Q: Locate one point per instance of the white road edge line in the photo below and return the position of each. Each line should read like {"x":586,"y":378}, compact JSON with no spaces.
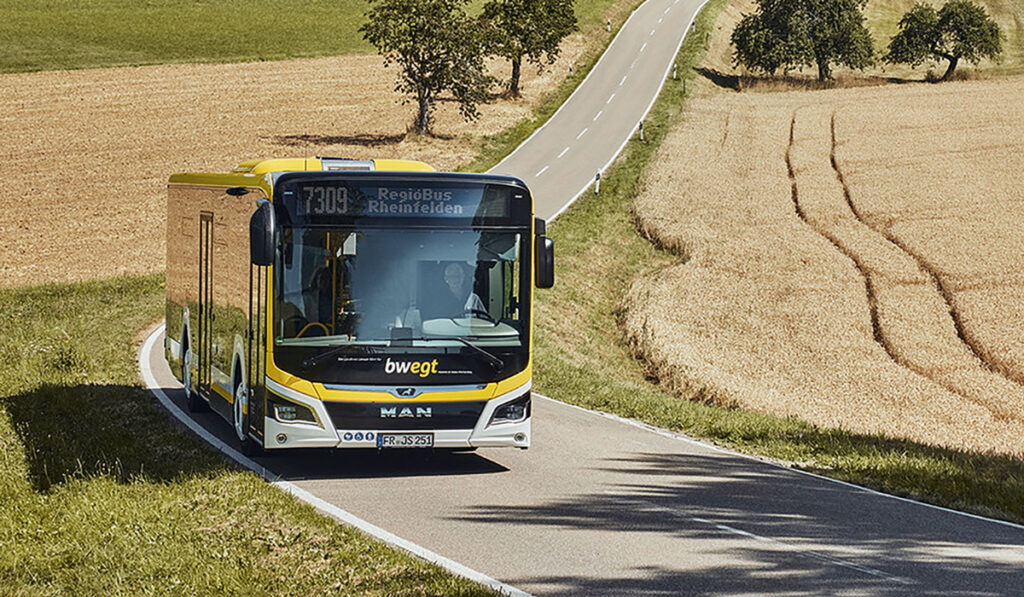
{"x":540,"y":172}
{"x":583,"y":132}
{"x":564,"y":151}
{"x":668,"y":70}
{"x":324,"y":507}
{"x":704,"y":444}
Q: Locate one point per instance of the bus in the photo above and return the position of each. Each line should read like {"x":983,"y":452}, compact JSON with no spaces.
{"x":335,"y":303}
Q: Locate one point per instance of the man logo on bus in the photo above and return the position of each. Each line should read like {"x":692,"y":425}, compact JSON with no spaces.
{"x":421,"y":368}
{"x":393,"y":412}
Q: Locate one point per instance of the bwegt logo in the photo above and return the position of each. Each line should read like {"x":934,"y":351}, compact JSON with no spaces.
{"x":421,"y":368}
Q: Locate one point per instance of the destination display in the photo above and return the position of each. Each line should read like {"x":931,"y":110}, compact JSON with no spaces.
{"x":315,"y":201}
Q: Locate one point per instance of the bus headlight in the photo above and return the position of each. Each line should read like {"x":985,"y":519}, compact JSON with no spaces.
{"x":512,"y":412}
{"x":287,"y":411}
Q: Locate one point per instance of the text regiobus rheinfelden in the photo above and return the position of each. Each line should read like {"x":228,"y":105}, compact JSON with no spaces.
{"x":331,"y":303}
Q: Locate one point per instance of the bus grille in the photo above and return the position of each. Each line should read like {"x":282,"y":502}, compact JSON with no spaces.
{"x":408,"y":415}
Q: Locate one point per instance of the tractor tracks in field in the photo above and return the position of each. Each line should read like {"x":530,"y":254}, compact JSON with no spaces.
{"x":876,"y":326}
{"x":888,"y":266}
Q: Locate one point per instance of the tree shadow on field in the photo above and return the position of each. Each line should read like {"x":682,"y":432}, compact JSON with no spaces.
{"x":112,"y":431}
{"x":719,"y":78}
{"x":364,"y":140}
{"x":791,"y":82}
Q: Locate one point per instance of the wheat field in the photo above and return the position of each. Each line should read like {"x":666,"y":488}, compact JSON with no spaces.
{"x":855,"y":258}
{"x":85,"y":155}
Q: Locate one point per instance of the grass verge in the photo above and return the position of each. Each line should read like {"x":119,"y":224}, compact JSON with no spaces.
{"x":100,"y":493}
{"x":582,"y":358}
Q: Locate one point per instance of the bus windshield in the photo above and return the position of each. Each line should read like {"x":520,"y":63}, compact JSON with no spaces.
{"x":395,"y":289}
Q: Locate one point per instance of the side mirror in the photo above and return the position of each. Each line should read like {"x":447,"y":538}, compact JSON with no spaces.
{"x":545,"y":262}
{"x":262,"y":228}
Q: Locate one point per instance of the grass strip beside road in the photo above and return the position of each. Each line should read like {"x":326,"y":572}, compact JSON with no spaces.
{"x":582,"y":359}
{"x":102,"y":493}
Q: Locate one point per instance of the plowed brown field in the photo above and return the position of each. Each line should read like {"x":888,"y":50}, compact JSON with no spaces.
{"x":856,"y":258}
{"x":85,"y":155}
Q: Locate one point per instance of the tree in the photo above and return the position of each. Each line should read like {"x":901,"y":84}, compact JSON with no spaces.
{"x":790,"y":33}
{"x":530,"y":29}
{"x":960,"y":30}
{"x":438,"y":49}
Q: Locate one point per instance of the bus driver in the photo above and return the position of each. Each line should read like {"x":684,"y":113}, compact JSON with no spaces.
{"x":459,"y":298}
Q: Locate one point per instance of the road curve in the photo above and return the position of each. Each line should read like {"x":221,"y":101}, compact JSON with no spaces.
{"x":602,"y":506}
{"x":560,"y":160}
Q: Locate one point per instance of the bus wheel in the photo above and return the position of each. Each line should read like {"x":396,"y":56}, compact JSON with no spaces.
{"x":193,"y":401}
{"x":241,"y":421}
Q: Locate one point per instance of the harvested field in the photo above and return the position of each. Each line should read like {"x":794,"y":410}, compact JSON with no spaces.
{"x":854,"y":259}
{"x":85,"y":155}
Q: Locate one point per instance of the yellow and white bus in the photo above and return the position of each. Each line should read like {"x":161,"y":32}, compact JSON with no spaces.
{"x":334,"y":303}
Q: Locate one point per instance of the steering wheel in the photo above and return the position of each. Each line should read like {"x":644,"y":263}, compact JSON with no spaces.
{"x":313,"y":324}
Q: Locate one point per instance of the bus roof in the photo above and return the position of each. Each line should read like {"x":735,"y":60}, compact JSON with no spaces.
{"x":328,"y":164}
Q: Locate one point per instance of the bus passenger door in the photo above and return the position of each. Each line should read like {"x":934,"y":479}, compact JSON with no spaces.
{"x":257,"y":347}
{"x":205,"y":300}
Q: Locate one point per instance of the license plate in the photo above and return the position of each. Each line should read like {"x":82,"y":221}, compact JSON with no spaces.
{"x":405,"y":440}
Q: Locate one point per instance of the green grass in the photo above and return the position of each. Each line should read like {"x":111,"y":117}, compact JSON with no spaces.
{"x":101,"y":493}
{"x":582,"y":358}
{"x":75,"y":34}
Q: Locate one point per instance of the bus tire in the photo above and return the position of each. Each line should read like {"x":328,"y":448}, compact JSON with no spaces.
{"x":193,"y":400}
{"x":240,"y":420}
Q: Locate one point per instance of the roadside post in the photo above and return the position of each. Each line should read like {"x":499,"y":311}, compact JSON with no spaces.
{"x":597,"y":182}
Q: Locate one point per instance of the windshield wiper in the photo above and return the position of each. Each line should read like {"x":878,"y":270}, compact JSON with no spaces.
{"x":492,"y":360}
{"x":316,"y":359}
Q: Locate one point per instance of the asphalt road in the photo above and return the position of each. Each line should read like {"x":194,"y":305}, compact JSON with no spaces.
{"x":561,"y":159}
{"x":599,"y":506}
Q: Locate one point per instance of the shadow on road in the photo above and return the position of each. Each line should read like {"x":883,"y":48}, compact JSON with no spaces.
{"x":326,"y":464}
{"x":371,"y":464}
{"x":763,"y":526}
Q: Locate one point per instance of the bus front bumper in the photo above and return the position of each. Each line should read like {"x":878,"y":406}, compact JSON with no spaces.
{"x":484,"y":434}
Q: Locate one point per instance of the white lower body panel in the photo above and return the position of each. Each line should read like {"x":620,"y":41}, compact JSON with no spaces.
{"x":280,"y":434}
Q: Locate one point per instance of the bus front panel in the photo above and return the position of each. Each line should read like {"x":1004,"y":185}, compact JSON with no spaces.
{"x":404,"y":302}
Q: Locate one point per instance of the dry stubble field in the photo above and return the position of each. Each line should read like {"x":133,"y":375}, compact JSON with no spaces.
{"x":85,"y":155}
{"x":856,"y":259}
